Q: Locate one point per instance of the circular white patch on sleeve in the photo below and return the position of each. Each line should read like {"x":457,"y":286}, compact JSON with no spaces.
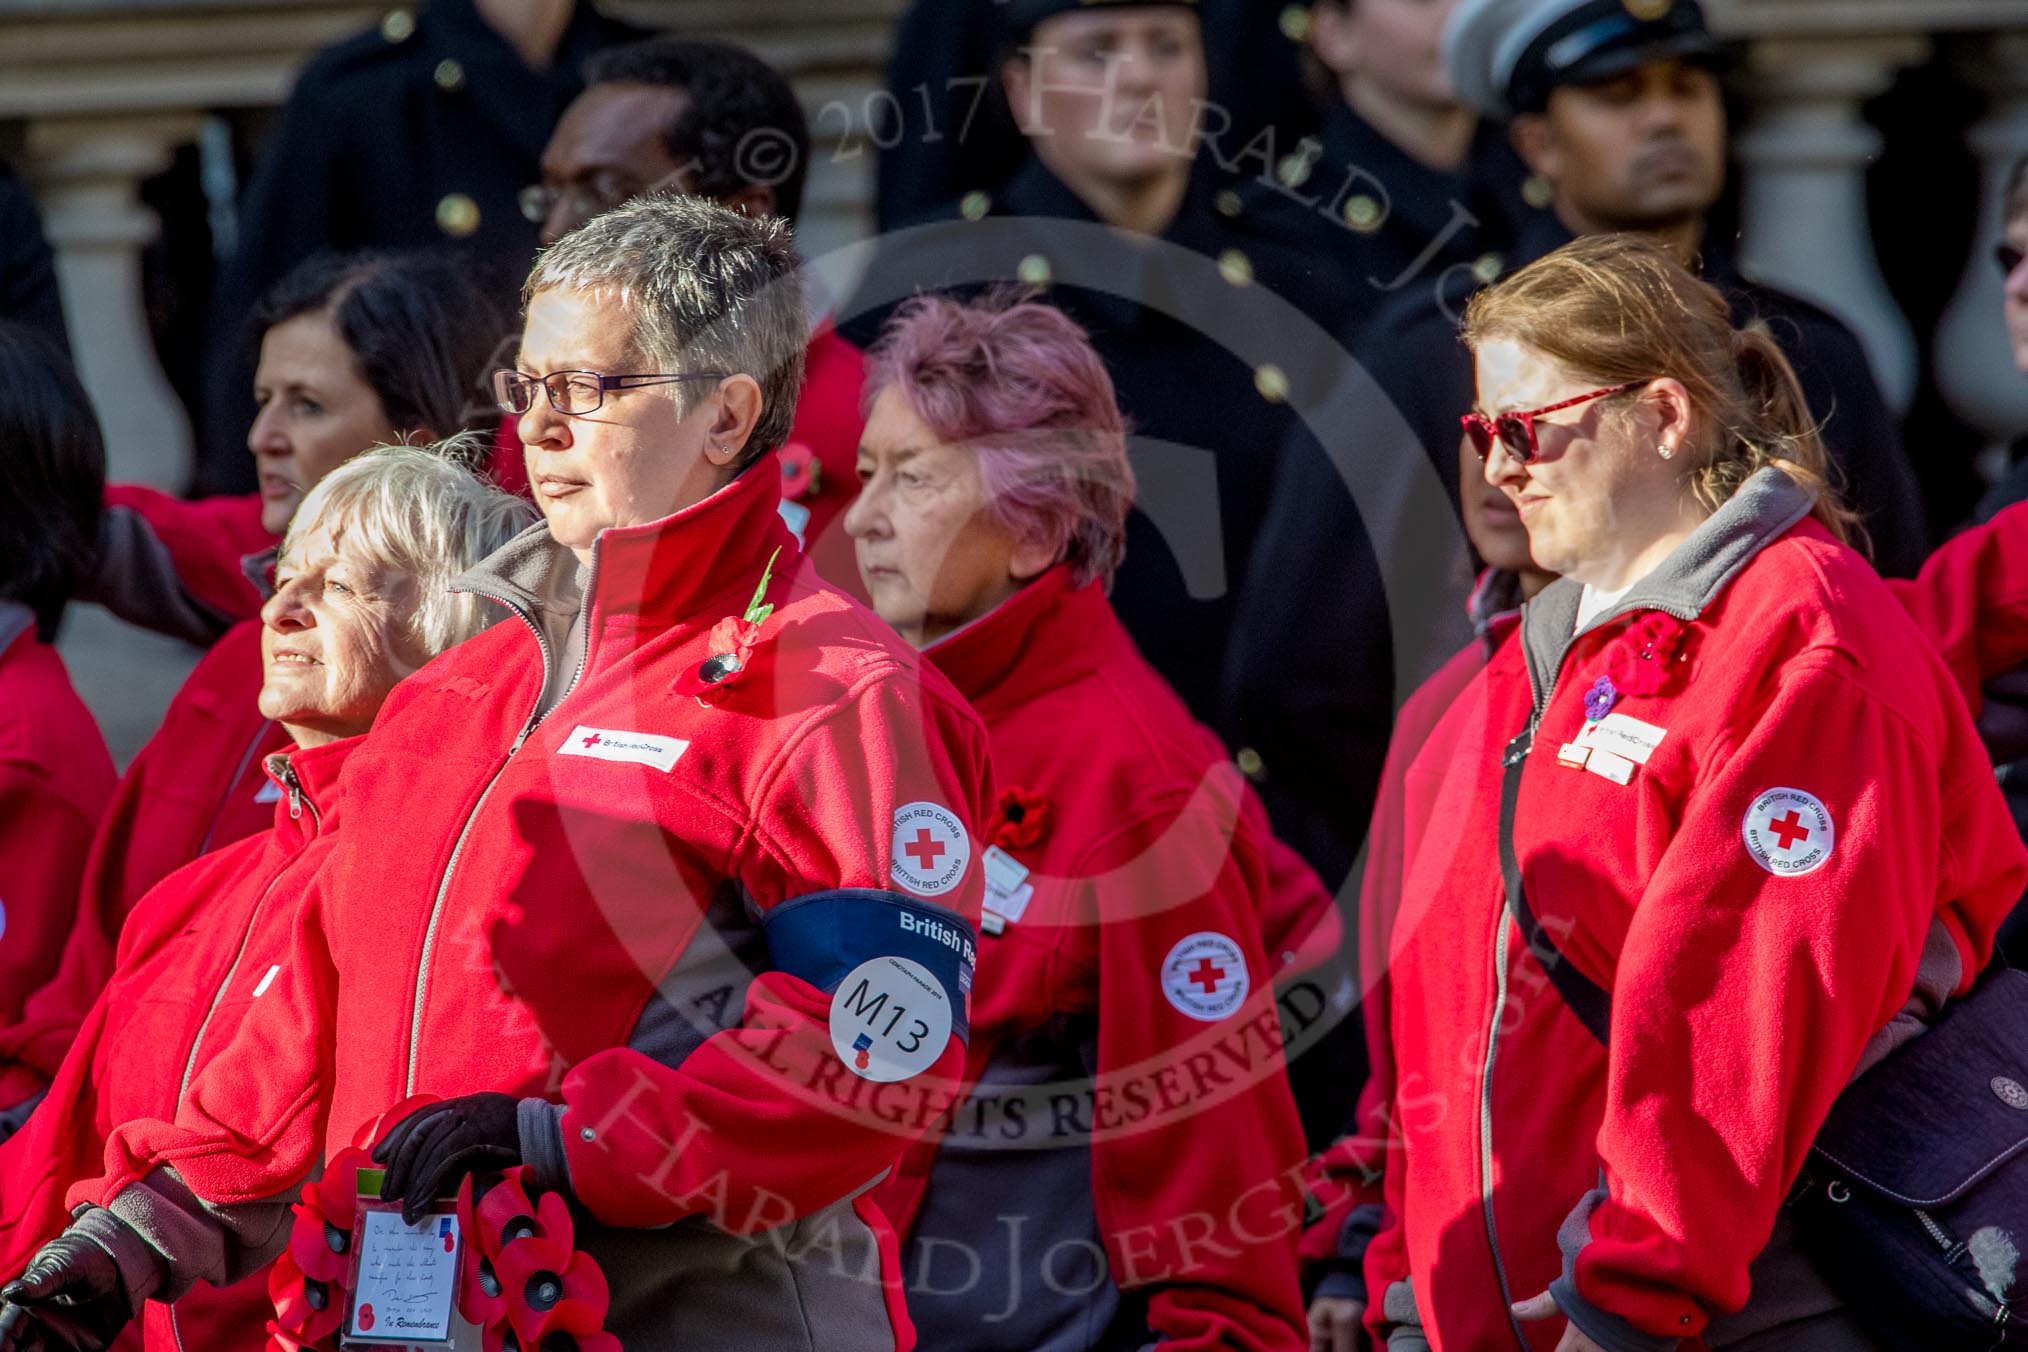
{"x":931,"y":849}
{"x":890,"y":1019}
{"x":1789,"y":832}
{"x":1205,"y":976}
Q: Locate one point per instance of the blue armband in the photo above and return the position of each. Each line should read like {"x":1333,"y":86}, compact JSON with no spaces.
{"x":825,"y":937}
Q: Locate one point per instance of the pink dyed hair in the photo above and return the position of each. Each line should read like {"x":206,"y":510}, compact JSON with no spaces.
{"x":1019,"y":383}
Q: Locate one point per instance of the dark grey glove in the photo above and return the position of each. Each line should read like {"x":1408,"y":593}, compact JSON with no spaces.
{"x":430,"y":1151}
{"x":71,"y":1298}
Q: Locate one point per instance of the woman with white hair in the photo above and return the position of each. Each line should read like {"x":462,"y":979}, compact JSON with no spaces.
{"x":647,"y":833}
{"x":361,"y":601}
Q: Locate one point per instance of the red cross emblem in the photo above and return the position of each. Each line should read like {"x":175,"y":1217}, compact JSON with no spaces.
{"x":925,"y":849}
{"x":1789,"y":829}
{"x":1207,"y":975}
{"x":592,"y":740}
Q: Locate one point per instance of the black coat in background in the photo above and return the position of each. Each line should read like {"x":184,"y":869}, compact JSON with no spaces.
{"x":1327,"y":643}
{"x":1185,"y":325}
{"x":417,"y":134}
{"x":28,"y":292}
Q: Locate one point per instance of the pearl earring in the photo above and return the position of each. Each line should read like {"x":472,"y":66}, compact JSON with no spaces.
{"x":1666,"y":450}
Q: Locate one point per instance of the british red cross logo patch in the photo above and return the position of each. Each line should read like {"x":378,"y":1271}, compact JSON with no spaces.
{"x":930,"y":851}
{"x":1789,"y":832}
{"x":1205,"y":976}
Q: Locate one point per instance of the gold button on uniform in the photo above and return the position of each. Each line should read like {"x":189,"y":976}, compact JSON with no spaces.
{"x":398,"y":25}
{"x":1034,"y":270}
{"x":1362,"y":213}
{"x":1249,"y":762}
{"x":1294,"y":170}
{"x":974,"y":205}
{"x":1488,"y":266}
{"x":1235,"y":267}
{"x":457,"y":215}
{"x":1228,"y":202}
{"x":450,"y":76}
{"x":1295,"y":22}
{"x":1535,"y":191}
{"x":1272,"y":382}
{"x":1648,"y":9}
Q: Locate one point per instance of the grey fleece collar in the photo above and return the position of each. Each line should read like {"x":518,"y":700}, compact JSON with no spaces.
{"x":16,"y":619}
{"x":532,"y":573}
{"x":1690,"y":579}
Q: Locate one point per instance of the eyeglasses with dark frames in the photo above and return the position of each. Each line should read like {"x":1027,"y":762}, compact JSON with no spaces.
{"x":1517,"y":430}
{"x":575,"y":393}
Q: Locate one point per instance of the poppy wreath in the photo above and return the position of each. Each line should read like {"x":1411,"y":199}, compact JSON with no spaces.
{"x":729,"y":648}
{"x":523,"y":1283}
{"x":307,"y":1283}
{"x":1648,"y":659}
{"x":1019,"y":819}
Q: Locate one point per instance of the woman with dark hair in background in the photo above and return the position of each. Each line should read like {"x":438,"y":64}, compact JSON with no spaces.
{"x":55,"y":775}
{"x":355,"y":351}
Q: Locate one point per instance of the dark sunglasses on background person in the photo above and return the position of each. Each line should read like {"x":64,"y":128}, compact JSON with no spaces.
{"x":2008,"y":257}
{"x":1517,"y":430}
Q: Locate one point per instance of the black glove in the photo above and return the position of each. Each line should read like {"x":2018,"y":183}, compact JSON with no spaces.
{"x":71,"y":1299}
{"x":433,"y":1148}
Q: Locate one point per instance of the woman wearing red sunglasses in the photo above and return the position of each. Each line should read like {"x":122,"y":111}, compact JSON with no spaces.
{"x":1714,"y":827}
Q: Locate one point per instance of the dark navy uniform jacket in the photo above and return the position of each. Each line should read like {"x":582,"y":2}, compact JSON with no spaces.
{"x":415,"y":134}
{"x":28,"y":292}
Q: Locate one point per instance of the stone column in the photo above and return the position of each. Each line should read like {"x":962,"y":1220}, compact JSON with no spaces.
{"x":87,"y":172}
{"x":1804,"y":152}
{"x":1974,"y":367}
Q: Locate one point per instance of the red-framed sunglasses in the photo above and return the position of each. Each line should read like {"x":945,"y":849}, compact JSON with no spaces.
{"x":1517,"y":430}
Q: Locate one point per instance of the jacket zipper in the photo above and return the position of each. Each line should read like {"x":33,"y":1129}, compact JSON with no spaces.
{"x":534,"y":720}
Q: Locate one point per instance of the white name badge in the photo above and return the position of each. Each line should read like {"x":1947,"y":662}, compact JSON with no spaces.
{"x":1626,"y":737}
{"x":638,"y":748}
{"x":405,"y":1281}
{"x":1606,"y":765}
{"x":1008,"y":890}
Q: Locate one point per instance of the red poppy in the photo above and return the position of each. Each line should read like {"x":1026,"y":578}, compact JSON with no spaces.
{"x":307,"y":1311}
{"x":320,"y":1240}
{"x":370,"y":1131}
{"x":802,"y":472}
{"x":729,"y":652}
{"x":551,"y":1288}
{"x":479,"y":1297}
{"x":503,"y":1214}
{"x":1019,"y":820}
{"x":280,"y":1340}
{"x":1648,"y":658}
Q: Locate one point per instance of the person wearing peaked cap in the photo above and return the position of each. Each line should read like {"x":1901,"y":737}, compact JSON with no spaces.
{"x":1618,"y":111}
{"x":1507,"y":55}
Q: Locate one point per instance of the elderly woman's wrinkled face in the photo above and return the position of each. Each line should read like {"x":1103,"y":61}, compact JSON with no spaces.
{"x":635,"y":459}
{"x":1599,"y":492}
{"x":2017,"y":292}
{"x":1113,"y":94}
{"x":337,"y":636}
{"x":316,"y":412}
{"x":930,"y":553}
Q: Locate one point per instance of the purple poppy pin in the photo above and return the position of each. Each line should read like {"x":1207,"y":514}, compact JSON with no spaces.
{"x":1600,"y":699}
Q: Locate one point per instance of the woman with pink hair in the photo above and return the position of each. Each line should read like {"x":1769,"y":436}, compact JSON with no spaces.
{"x":1124,"y":1014}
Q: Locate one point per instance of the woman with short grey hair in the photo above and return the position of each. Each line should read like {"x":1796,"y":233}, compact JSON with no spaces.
{"x":359,"y":604}
{"x":647,"y":832}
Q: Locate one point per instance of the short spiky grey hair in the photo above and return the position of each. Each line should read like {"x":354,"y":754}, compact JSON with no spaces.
{"x":420,"y":511}
{"x":706,"y":289}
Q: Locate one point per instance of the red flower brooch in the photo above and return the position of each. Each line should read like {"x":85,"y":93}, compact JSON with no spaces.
{"x":730,"y":646}
{"x":1019,"y":820}
{"x":802,"y":472}
{"x":1645,"y":660}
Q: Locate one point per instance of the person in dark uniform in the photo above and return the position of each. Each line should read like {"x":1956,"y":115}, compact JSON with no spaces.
{"x":420,"y":132}
{"x":1401,"y":181}
{"x":948,"y":129}
{"x":1106,"y":219}
{"x":1617,"y":108}
{"x":28,"y":293}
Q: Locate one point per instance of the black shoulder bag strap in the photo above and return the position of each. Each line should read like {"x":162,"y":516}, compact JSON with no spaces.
{"x":1585,"y":997}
